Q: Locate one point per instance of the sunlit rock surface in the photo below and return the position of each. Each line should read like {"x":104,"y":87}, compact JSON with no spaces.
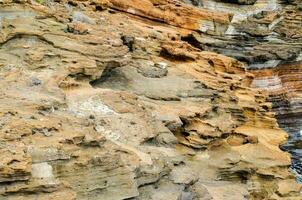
{"x":116,"y":99}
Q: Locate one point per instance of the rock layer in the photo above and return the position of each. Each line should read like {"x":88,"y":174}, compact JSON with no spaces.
{"x":106,"y":100}
{"x":262,"y":34}
{"x":283,"y":84}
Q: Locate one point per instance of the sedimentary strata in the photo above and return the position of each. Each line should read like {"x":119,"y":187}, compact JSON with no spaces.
{"x":110,"y":100}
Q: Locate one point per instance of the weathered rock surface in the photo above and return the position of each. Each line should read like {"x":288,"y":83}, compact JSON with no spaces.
{"x":283,"y":84}
{"x":261,"y":34}
{"x":107,"y":100}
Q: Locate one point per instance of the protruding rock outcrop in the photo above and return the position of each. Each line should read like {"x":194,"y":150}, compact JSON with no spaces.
{"x":114,"y":99}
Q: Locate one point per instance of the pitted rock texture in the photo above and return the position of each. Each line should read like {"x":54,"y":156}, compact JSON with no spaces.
{"x":106,"y":100}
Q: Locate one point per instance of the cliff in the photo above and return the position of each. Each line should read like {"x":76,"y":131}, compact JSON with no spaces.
{"x":145,"y":99}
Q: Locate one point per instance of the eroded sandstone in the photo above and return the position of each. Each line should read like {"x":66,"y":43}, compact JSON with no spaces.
{"x":106,"y":100}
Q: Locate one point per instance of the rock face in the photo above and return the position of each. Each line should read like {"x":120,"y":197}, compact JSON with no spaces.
{"x":115,"y":99}
{"x":283,"y":84}
{"x":261,"y":35}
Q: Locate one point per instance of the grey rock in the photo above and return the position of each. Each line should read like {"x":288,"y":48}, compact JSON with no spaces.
{"x":46,"y":154}
{"x":186,"y":196}
{"x":167,"y":138}
{"x":35,"y":81}
{"x":183,"y":175}
{"x":151,"y":70}
{"x":80,"y":17}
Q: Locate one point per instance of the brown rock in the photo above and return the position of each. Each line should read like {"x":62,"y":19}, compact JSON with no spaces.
{"x":130,"y":103}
